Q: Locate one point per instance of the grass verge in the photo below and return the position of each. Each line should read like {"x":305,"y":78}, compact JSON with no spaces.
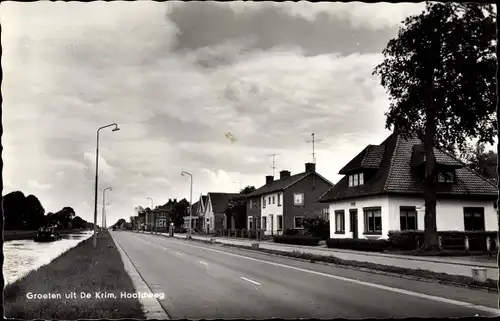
{"x":81,"y":269}
{"x":490,"y":285}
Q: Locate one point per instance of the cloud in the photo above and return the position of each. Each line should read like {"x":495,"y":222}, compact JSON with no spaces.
{"x":177,"y":77}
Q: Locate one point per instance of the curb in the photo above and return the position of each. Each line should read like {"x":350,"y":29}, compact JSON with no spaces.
{"x":150,"y":306}
{"x":351,"y":267}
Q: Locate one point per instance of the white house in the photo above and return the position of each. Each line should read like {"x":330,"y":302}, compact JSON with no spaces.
{"x":382,"y":190}
{"x":215,"y":207}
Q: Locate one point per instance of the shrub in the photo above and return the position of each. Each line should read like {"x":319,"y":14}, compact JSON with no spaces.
{"x":291,"y":231}
{"x":297,"y":239}
{"x":359,"y":244}
{"x":405,"y":240}
{"x":317,"y":226}
{"x":410,"y":240}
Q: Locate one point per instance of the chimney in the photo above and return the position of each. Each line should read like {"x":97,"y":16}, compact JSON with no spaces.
{"x":284,"y":174}
{"x":170,"y":200}
{"x":269,"y":179}
{"x":310,"y":167}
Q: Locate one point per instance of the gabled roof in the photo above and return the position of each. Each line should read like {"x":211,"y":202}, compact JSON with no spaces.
{"x":204,"y":201}
{"x":220,"y":201}
{"x":194,"y":208}
{"x":282,"y":184}
{"x":396,"y":176}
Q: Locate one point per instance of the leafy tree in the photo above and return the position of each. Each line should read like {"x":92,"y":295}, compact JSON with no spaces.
{"x":440,"y":75}
{"x":78,"y":223}
{"x":482,"y":162}
{"x":178,"y":212}
{"x":14,"y":207}
{"x":34,"y":212}
{"x":316,"y":225}
{"x":237,"y":207}
{"x":64,"y":217}
{"x":120,"y":222}
{"x":247,"y":190}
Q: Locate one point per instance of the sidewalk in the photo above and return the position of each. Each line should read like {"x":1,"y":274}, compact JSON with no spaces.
{"x":439,"y":265}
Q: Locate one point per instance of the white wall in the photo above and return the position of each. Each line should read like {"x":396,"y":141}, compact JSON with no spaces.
{"x":273,"y":209}
{"x":449,"y":213}
{"x":209,"y":215}
{"x":359,"y":204}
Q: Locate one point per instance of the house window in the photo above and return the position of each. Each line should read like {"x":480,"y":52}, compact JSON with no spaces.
{"x":279,"y":219}
{"x":279,"y":199}
{"x":326,"y":213}
{"x":264,"y":223}
{"x":298,"y":199}
{"x":373,"y":220}
{"x":446,"y":177}
{"x":250,"y":204}
{"x":263,"y":202}
{"x":339,"y":222}
{"x":273,"y":199}
{"x":474,"y":218}
{"x":269,"y":200}
{"x":356,"y":179}
{"x":297,"y":222}
{"x":408,"y":218}
{"x":250,"y":223}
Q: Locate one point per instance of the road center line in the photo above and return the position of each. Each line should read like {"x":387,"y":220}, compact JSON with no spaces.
{"x":203,"y":262}
{"x":178,"y":253}
{"x":251,"y":281}
{"x":364,"y":283}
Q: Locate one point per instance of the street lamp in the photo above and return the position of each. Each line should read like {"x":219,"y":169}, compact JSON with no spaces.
{"x":190,"y":198}
{"x":104,"y":205}
{"x":149,"y":198}
{"x":96,"y":177}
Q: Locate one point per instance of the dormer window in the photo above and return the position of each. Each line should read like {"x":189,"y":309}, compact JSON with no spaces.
{"x":446,"y":177}
{"x":356,"y":179}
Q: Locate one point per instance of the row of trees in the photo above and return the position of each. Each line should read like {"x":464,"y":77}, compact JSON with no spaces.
{"x":27,"y":213}
{"x":440,"y":74}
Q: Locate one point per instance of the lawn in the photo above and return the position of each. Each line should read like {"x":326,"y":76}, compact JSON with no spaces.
{"x":82,"y":269}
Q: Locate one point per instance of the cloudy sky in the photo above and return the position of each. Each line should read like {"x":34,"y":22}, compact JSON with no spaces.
{"x":177,"y":77}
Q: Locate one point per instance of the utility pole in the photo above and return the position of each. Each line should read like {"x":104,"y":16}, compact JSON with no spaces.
{"x":314,"y":141}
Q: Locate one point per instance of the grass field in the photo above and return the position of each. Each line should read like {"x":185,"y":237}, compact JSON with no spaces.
{"x":82,"y":269}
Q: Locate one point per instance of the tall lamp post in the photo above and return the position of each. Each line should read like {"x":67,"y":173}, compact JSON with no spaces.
{"x":104,"y":205}
{"x":96,"y":177}
{"x":154,"y":223}
{"x":190,"y":198}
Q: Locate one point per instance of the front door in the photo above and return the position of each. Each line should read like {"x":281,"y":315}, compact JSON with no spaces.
{"x":353,"y":214}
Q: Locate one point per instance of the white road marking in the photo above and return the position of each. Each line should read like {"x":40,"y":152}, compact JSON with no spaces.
{"x":178,"y":253}
{"x":251,"y":281}
{"x":364,"y":283}
{"x":203,"y":262}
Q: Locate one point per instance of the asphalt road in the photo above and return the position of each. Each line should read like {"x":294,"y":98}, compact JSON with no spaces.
{"x":206,"y":282}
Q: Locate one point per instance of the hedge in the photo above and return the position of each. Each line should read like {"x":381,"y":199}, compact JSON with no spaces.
{"x":358,"y":244}
{"x":297,"y":239}
{"x":410,"y":240}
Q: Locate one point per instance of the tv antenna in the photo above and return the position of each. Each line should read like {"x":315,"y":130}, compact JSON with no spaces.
{"x":313,"y":141}
{"x":274,"y":163}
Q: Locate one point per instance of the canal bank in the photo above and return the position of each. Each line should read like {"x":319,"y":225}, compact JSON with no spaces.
{"x":27,"y":235}
{"x":76,"y":281}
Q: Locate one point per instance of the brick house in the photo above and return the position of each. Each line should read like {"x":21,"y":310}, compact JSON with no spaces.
{"x":215,"y":207}
{"x":281,"y":204}
{"x":384,"y":184}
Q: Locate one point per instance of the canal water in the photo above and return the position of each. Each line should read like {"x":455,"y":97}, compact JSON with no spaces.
{"x":23,"y":256}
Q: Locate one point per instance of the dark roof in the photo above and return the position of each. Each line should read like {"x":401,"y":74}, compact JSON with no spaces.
{"x":369,"y":158}
{"x":204,"y":200}
{"x":194,"y":208}
{"x":395,"y":176}
{"x":281,"y":184}
{"x":220,"y":201}
{"x":442,"y":158}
